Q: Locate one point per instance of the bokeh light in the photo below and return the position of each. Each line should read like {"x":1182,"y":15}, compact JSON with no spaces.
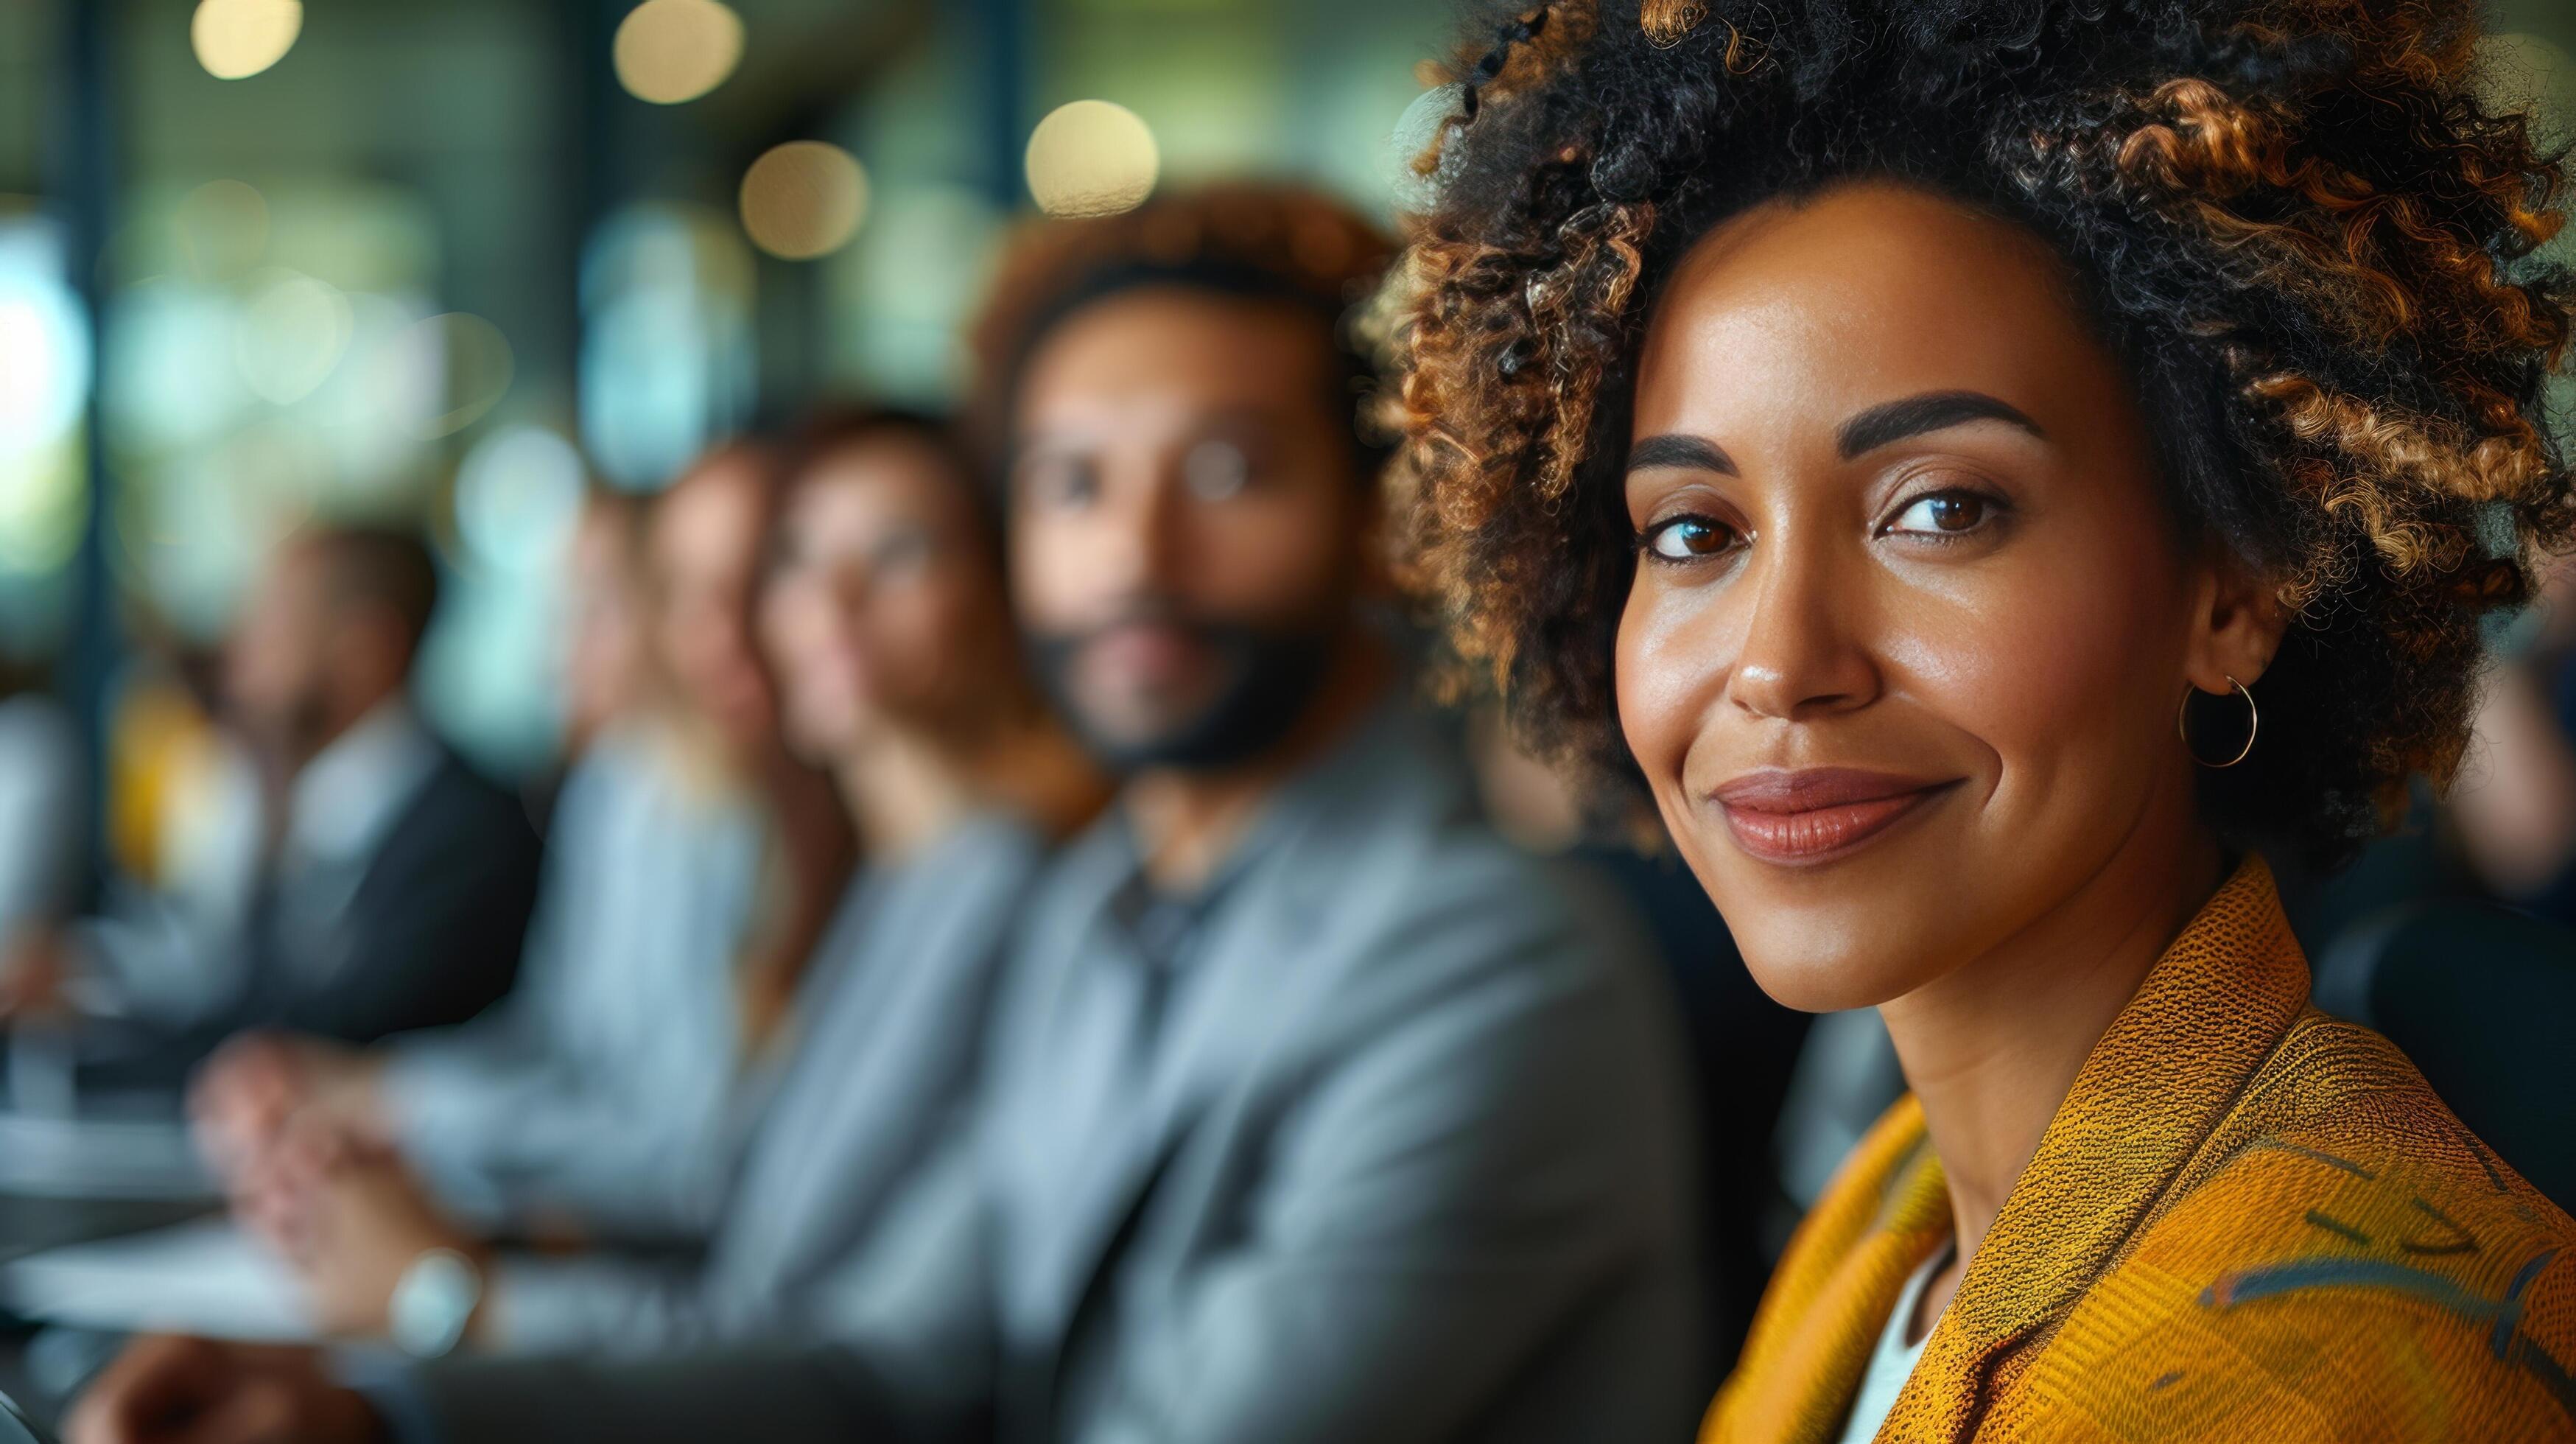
{"x":292,"y":335}
{"x":235,"y":39}
{"x":670,"y":51}
{"x":45,"y":359}
{"x":441,"y":375}
{"x":222,"y":228}
{"x":1092,"y":158}
{"x":668,"y":356}
{"x":518,"y":498}
{"x":804,"y":199}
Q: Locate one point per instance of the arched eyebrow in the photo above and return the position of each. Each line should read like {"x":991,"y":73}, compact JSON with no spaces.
{"x":1896,"y":420}
{"x":1674,"y":449}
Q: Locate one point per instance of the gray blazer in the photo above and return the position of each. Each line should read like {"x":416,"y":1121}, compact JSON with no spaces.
{"x":889,"y":1038}
{"x":1407,"y":1160}
{"x":605,"y":1086}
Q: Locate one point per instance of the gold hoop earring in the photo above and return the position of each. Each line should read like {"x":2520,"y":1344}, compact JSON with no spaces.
{"x":2253,"y":726}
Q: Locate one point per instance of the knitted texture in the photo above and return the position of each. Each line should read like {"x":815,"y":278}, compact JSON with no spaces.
{"x":2248,"y":1221}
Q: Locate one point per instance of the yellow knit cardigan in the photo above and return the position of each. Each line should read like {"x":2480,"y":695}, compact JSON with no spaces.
{"x":2248,"y":1221}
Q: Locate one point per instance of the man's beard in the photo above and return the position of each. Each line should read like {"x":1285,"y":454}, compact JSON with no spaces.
{"x":1270,"y":678}
{"x":287,"y":737}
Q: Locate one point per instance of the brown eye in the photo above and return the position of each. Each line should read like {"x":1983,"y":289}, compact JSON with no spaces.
{"x":1059,"y":481}
{"x":1943,"y":513}
{"x":1689,"y":538}
{"x":1216,"y":470}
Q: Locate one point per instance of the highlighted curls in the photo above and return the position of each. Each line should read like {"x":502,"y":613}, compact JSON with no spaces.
{"x":2315,"y":249}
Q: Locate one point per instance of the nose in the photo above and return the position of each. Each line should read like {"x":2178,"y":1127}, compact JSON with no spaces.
{"x":1140,"y":522}
{"x":1802,"y":655}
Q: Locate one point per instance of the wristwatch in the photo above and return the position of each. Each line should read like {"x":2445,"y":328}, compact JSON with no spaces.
{"x":432,"y":1303}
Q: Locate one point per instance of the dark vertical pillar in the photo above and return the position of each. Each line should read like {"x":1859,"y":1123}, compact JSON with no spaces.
{"x":1003,"y":33}
{"x":81,"y":176}
{"x":595,"y":171}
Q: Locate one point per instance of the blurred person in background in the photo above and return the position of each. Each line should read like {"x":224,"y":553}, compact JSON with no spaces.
{"x":41,"y":829}
{"x":1744,"y":1047}
{"x":1314,"y":1110}
{"x":608,"y":633}
{"x":2515,"y":806}
{"x":384,"y":885}
{"x":694,"y":865}
{"x":899,"y":675}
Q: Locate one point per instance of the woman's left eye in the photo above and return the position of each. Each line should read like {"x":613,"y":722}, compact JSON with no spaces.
{"x":1944,"y":513}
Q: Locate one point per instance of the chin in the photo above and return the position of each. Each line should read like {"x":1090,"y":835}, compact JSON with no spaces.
{"x":1820,"y":947}
{"x":1815,"y":980}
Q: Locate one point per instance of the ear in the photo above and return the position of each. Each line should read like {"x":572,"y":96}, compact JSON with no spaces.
{"x":2237,"y":620}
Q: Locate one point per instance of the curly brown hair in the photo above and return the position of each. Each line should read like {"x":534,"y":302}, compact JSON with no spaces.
{"x":1258,"y":240}
{"x":2294,"y":221}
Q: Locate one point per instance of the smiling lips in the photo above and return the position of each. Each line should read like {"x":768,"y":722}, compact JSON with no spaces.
{"x":1818,"y":815}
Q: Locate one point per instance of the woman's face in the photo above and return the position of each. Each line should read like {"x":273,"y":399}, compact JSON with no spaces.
{"x":1910,"y":618}
{"x":885,"y":608}
{"x":705,"y":556}
{"x":605,"y":652}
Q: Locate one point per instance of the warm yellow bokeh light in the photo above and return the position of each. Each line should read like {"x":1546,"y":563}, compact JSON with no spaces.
{"x":669,"y":51}
{"x":804,"y":199}
{"x":238,"y":38}
{"x":1092,"y":158}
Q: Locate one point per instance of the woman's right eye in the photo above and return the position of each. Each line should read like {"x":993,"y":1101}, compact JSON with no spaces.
{"x":1688,"y":539}
{"x":1060,"y":481}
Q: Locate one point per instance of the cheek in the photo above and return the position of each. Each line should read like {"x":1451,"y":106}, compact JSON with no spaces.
{"x":1669,"y":664}
{"x":1046,"y":565}
{"x":913,"y":635}
{"x":2053,"y":664}
{"x":1262,"y":558}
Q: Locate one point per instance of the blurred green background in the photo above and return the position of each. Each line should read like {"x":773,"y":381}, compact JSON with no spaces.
{"x":437,"y":258}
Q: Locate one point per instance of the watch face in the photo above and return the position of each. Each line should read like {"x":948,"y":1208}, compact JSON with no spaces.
{"x":433,"y":1302}
{"x":16,"y":1428}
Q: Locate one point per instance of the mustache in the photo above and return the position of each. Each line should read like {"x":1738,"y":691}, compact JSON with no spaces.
{"x":1152,"y":610}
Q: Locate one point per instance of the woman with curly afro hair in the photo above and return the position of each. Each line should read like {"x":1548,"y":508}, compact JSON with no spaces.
{"x":1992,"y":473}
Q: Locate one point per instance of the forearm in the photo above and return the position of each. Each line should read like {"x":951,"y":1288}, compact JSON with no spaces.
{"x":611,"y":1304}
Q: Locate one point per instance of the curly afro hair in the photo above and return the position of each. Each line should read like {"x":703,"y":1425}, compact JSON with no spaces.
{"x":2293,"y":220}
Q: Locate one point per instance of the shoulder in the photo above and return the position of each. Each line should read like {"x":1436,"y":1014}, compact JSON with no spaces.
{"x":2347,"y":1254}
{"x":1457,"y":910}
{"x":461,"y":815}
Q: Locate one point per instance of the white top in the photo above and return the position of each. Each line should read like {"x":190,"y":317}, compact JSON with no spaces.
{"x":1892,"y":1362}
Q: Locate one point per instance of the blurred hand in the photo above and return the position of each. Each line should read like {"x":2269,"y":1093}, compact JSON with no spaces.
{"x":351,"y":1219}
{"x":34,"y":966}
{"x":245,"y":1095}
{"x":169,"y":1390}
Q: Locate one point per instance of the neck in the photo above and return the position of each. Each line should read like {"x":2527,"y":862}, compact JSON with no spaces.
{"x":902,"y":791}
{"x":289,"y":751}
{"x":1187,"y":822}
{"x":1991,"y":1048}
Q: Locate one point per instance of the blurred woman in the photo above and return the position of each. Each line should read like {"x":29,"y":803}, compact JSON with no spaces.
{"x":695,"y":862}
{"x":608,"y":643}
{"x":1989,"y":471}
{"x":887,"y":626}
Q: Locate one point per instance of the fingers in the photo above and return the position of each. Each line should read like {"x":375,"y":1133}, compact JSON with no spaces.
{"x":157,"y":1385}
{"x":169,"y":1390}
{"x":243,"y":1097}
